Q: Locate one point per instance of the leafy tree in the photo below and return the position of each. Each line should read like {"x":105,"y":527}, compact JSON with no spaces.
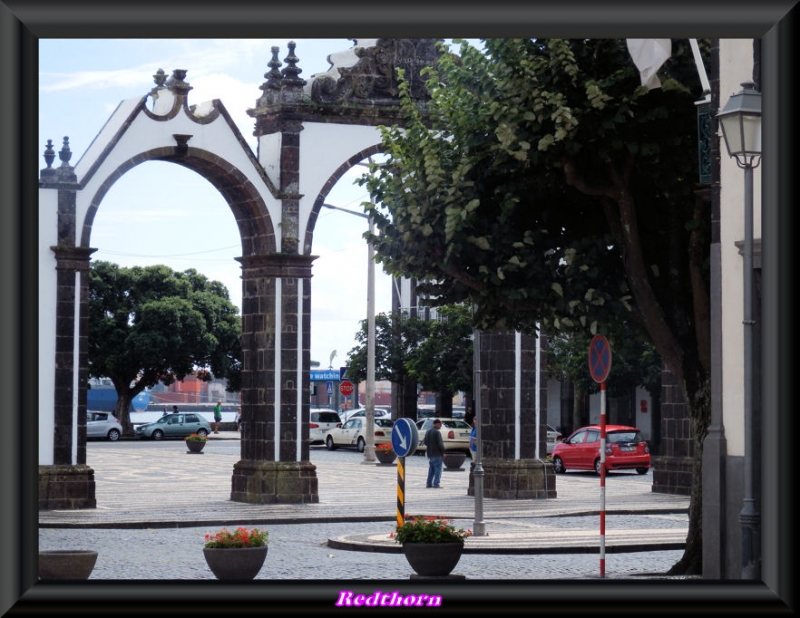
{"x":442,"y":363}
{"x":635,"y":362}
{"x":543,"y":184}
{"x":152,"y":324}
{"x":397,"y":335}
{"x":436,"y":354}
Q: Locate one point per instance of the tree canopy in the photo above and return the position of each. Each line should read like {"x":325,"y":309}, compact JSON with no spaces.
{"x":435,"y":354}
{"x":543,"y":184}
{"x":152,"y":324}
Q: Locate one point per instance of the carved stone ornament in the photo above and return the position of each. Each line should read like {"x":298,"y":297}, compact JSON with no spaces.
{"x":372,"y":80}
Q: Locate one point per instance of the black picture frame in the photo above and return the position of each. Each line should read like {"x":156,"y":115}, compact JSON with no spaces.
{"x":24,"y":22}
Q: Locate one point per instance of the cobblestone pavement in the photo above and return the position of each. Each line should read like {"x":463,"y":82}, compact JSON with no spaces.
{"x":155,"y":504}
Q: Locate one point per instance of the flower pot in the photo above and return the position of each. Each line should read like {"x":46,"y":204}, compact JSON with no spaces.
{"x":66,"y":564}
{"x":433,"y":559}
{"x":235,"y":563}
{"x":454,"y":461}
{"x":385,"y":457}
{"x":195,"y":446}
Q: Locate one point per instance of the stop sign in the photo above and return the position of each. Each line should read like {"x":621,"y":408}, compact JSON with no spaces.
{"x":346,"y":388}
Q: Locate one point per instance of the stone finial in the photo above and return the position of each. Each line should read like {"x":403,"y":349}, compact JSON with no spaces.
{"x":160,"y":78}
{"x":49,"y":153}
{"x":274,"y":75}
{"x":292,"y":71}
{"x":65,"y":154}
{"x":176,"y":83}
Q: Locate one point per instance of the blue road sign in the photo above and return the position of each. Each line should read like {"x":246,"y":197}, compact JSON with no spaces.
{"x":343,"y":373}
{"x":404,"y":437}
{"x":329,"y":388}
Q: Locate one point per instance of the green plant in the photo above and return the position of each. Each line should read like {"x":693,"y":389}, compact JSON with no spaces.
{"x":195,"y":437}
{"x":241,"y":537}
{"x":429,"y":529}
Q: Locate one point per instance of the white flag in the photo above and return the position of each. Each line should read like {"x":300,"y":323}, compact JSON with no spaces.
{"x":648,"y":56}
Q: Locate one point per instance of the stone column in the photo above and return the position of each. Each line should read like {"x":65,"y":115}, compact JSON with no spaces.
{"x":274,"y":467}
{"x":69,"y":482}
{"x":507,"y":475}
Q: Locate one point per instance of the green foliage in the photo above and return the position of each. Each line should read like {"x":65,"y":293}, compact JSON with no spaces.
{"x":543,"y":185}
{"x":502,"y":197}
{"x":152,"y":324}
{"x":436,"y":353}
{"x":635,"y":361}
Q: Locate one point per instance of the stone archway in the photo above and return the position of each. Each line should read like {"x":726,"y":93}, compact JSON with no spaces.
{"x":309,"y":133}
{"x":275,"y":197}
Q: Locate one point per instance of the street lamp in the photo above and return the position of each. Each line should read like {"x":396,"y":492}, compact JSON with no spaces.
{"x":369,"y":435}
{"x":741,"y":127}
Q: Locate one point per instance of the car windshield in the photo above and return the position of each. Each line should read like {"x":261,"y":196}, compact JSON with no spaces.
{"x":383,"y":422}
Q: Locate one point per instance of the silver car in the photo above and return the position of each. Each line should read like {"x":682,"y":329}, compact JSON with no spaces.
{"x":174,"y":426}
{"x":103,"y":425}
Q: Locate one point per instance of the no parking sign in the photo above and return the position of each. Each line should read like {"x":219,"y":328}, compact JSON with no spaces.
{"x":599,"y":358}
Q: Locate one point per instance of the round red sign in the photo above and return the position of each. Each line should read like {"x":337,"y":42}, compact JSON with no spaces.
{"x":346,"y":388}
{"x":599,"y":358}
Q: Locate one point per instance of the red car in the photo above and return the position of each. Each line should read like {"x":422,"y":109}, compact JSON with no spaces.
{"x":626,"y":449}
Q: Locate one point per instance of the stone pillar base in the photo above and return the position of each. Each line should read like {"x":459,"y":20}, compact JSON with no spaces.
{"x":66,"y":486}
{"x":274,"y":482}
{"x":515,"y":479}
{"x":672,"y":475}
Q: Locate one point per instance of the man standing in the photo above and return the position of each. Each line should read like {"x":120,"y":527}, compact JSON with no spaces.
{"x":434,"y":449}
{"x":217,"y":416}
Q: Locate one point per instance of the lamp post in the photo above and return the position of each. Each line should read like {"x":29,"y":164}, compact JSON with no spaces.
{"x":369,"y":435}
{"x":741,"y":127}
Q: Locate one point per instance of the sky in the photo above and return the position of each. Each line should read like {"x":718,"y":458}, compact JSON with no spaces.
{"x":82,"y":81}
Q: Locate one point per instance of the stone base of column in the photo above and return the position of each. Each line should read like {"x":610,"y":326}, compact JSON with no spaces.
{"x":672,"y":475}
{"x":274,"y":482}
{"x":66,"y":486}
{"x":515,"y":479}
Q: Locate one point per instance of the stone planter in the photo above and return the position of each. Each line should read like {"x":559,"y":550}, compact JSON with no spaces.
{"x":433,"y":559}
{"x":385,"y":457}
{"x":454,"y":461}
{"x":235,"y":563}
{"x":195,"y":446}
{"x":66,"y":564}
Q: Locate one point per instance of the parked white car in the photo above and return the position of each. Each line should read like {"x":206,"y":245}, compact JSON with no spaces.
{"x":103,"y":425}
{"x":362,"y":413}
{"x":352,"y":434}
{"x":321,"y":420}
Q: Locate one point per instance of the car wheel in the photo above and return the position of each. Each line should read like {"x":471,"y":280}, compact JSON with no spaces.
{"x":597,"y":467}
{"x":329,"y":444}
{"x":157,"y":434}
{"x":202,"y":432}
{"x":361,"y":445}
{"x":113,"y":435}
{"x":642,"y":470}
{"x":558,"y":465}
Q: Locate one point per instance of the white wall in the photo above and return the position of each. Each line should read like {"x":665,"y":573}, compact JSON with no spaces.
{"x":736,"y":66}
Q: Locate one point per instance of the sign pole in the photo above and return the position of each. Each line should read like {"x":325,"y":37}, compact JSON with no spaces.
{"x":599,"y":367}
{"x":401,"y":490}
{"x":602,"y":479}
{"x":404,"y":442}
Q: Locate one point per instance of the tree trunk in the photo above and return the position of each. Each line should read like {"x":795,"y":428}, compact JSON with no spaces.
{"x":577,"y":406}
{"x":122,"y":412}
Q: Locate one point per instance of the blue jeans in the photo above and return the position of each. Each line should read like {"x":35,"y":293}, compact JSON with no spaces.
{"x":434,"y":471}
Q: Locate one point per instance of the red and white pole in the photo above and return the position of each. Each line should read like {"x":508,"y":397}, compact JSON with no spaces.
{"x":602,"y":479}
